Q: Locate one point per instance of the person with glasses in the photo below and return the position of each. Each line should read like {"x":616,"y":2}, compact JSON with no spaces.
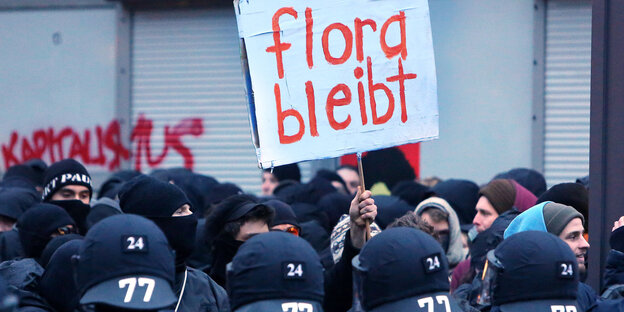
{"x":285,"y":219}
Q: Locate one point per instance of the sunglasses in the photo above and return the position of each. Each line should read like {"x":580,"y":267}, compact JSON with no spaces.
{"x":64,"y":230}
{"x":291,"y":229}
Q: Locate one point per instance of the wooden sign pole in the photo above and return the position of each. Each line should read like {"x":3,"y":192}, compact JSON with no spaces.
{"x":361,"y":173}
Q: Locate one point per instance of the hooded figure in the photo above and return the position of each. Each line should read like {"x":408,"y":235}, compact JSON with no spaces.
{"x":273,"y":270}
{"x":531,"y":271}
{"x":40,"y":224}
{"x":402,"y":269}
{"x":167,"y":206}
{"x":452,"y":243}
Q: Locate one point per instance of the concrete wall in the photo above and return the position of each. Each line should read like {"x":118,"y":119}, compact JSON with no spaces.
{"x":484,"y":59}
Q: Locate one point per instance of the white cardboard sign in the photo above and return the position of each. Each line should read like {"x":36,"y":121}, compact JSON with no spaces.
{"x":327,"y":78}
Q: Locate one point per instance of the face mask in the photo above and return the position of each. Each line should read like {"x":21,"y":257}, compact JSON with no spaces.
{"x":180,"y":232}
{"x":444,"y":240}
{"x":77,"y":210}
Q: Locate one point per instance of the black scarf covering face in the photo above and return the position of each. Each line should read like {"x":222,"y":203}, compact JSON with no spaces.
{"x":224,"y":249}
{"x":77,"y":210}
{"x":180,"y":232}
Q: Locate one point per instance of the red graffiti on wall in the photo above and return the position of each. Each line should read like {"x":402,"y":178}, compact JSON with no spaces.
{"x":142,"y":135}
{"x":101,"y":146}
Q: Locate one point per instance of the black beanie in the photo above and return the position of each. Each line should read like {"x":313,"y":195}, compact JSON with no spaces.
{"x":149,"y":197}
{"x":569,"y":194}
{"x":37,"y":224}
{"x":284,"y":214}
{"x":62,"y":173}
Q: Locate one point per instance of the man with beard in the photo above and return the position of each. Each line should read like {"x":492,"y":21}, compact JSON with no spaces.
{"x":67,"y":184}
{"x":566,"y":223}
{"x":167,"y":206}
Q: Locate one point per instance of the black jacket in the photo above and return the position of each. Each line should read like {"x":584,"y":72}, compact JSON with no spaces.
{"x":201,"y":293}
{"x":23,"y":277}
{"x":339,"y":280}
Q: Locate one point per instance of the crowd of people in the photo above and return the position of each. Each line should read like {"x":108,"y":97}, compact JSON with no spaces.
{"x":176,"y":240}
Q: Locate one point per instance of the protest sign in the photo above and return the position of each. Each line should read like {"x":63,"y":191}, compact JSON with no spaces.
{"x":327,"y":78}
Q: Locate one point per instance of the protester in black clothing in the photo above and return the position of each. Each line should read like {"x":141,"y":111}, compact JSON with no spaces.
{"x":167,"y":206}
{"x":40,"y":224}
{"x":68,"y":185}
{"x":275,"y":272}
{"x":235,"y":220}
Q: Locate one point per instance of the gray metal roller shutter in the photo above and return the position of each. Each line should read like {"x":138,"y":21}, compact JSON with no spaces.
{"x":187,"y":64}
{"x":567,"y":90}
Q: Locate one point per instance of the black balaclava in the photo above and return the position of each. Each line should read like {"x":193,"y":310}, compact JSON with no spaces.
{"x":77,"y":210}
{"x":37,"y":225}
{"x":57,"y":285}
{"x":157,"y":200}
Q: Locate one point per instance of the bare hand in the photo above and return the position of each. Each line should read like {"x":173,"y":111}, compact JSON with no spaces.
{"x":362,"y":208}
{"x":617,"y":224}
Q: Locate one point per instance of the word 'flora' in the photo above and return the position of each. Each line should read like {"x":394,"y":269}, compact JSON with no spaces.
{"x":341,"y":94}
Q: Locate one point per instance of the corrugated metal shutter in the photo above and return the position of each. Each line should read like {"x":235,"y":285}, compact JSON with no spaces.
{"x":567,"y":90}
{"x":186,"y":64}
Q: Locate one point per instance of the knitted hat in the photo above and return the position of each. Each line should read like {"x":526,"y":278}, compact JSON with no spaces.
{"x":501,"y":194}
{"x":62,"y":173}
{"x":557,"y":216}
{"x":149,"y":197}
